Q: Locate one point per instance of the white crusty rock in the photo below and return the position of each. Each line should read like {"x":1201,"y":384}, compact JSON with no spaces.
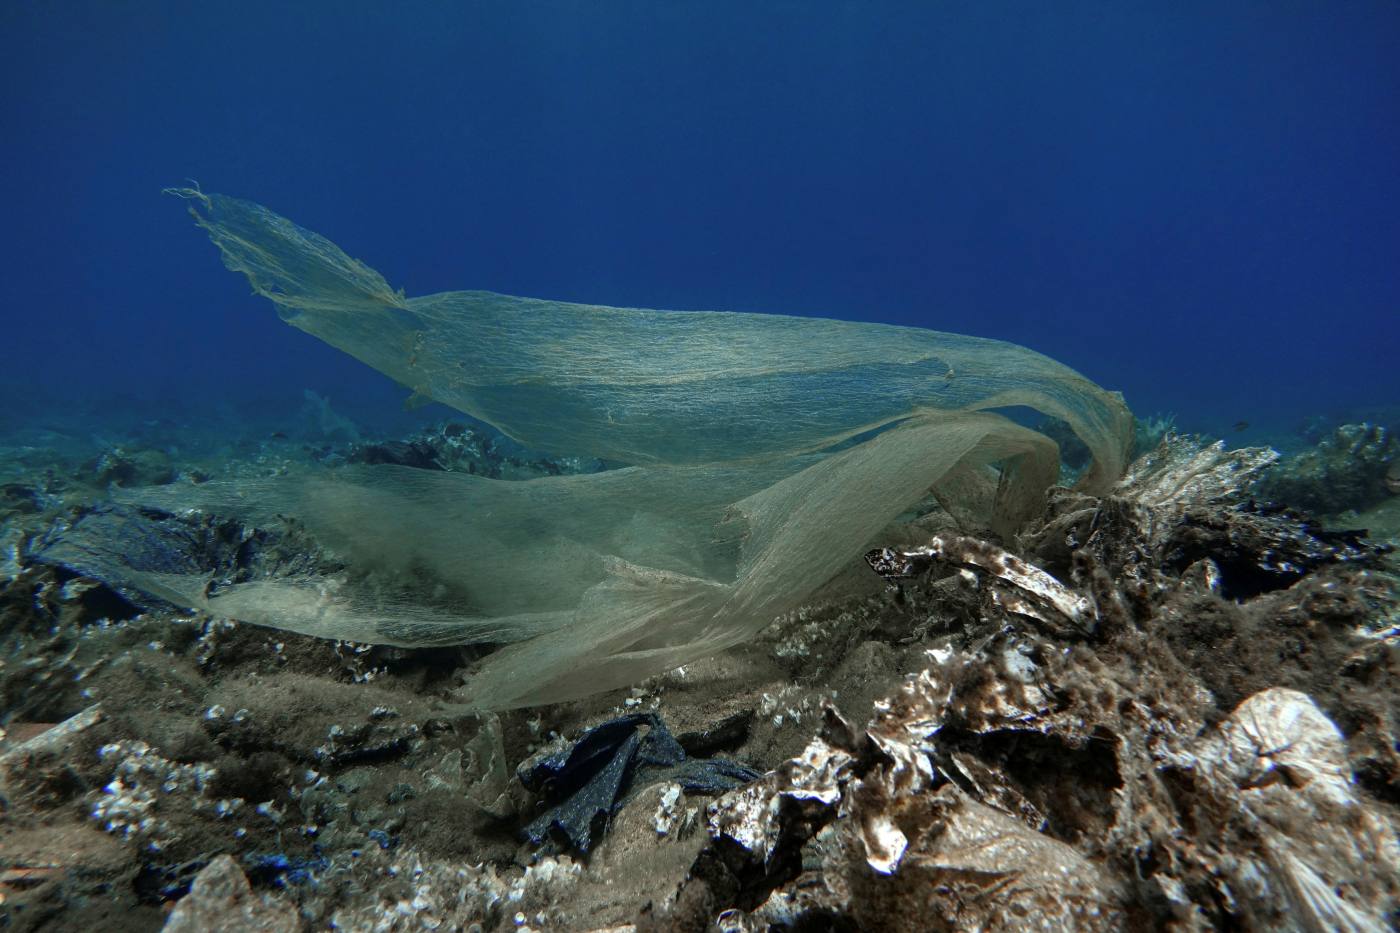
{"x":221,"y":901}
{"x":1324,"y":857}
{"x":1182,"y":472}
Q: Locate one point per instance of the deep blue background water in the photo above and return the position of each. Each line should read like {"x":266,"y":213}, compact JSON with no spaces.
{"x":1196,"y":203}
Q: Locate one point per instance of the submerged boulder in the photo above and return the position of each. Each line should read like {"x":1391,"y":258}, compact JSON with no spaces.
{"x":1354,"y":468}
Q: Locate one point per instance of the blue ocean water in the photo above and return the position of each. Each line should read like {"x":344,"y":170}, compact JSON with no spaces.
{"x":1195,"y":203}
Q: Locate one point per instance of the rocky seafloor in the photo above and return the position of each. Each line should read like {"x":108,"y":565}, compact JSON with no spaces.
{"x":1173,"y":707}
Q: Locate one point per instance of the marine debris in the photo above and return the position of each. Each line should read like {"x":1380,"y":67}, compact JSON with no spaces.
{"x":756,"y":456}
{"x":584,"y":783}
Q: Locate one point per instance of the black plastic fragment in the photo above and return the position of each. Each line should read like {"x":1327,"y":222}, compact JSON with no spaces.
{"x":580,"y":819}
{"x":710,"y":775}
{"x":587,"y":783}
{"x":108,"y":542}
{"x":100,"y":543}
{"x":727,"y":734}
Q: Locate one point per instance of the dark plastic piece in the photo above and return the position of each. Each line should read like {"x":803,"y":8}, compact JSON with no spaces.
{"x":98,"y":543}
{"x":587,"y":783}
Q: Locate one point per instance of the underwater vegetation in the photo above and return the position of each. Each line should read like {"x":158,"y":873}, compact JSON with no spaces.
{"x":762,"y":454}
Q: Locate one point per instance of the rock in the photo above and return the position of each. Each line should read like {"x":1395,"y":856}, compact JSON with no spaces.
{"x":10,"y":541}
{"x":101,"y":543}
{"x":1183,"y":471}
{"x":1305,"y":850}
{"x":458,"y":448}
{"x":862,"y":829}
{"x":1259,"y":551}
{"x":725,"y":735}
{"x":21,"y":499}
{"x":1016,"y":587}
{"x":1352,"y":469}
{"x":1183,"y":512}
{"x":128,"y":468}
{"x":25,"y":761}
{"x":416,"y":454}
{"x":222,"y":901}
{"x":484,"y":770}
{"x":925,"y":814}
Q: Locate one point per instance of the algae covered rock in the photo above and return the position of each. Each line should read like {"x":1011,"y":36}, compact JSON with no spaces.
{"x":1356,"y":467}
{"x":140,"y":467}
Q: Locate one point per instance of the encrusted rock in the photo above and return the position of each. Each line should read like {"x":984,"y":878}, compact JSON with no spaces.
{"x":221,"y":901}
{"x":1304,"y":850}
{"x":1183,"y":513}
{"x":1354,"y":468}
{"x":1024,"y":590}
{"x":929,"y":813}
{"x":1182,"y":472}
{"x":889,"y":838}
{"x":484,"y":769}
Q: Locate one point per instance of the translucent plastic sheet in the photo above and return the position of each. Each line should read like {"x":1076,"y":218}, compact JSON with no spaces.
{"x":766,"y":452}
